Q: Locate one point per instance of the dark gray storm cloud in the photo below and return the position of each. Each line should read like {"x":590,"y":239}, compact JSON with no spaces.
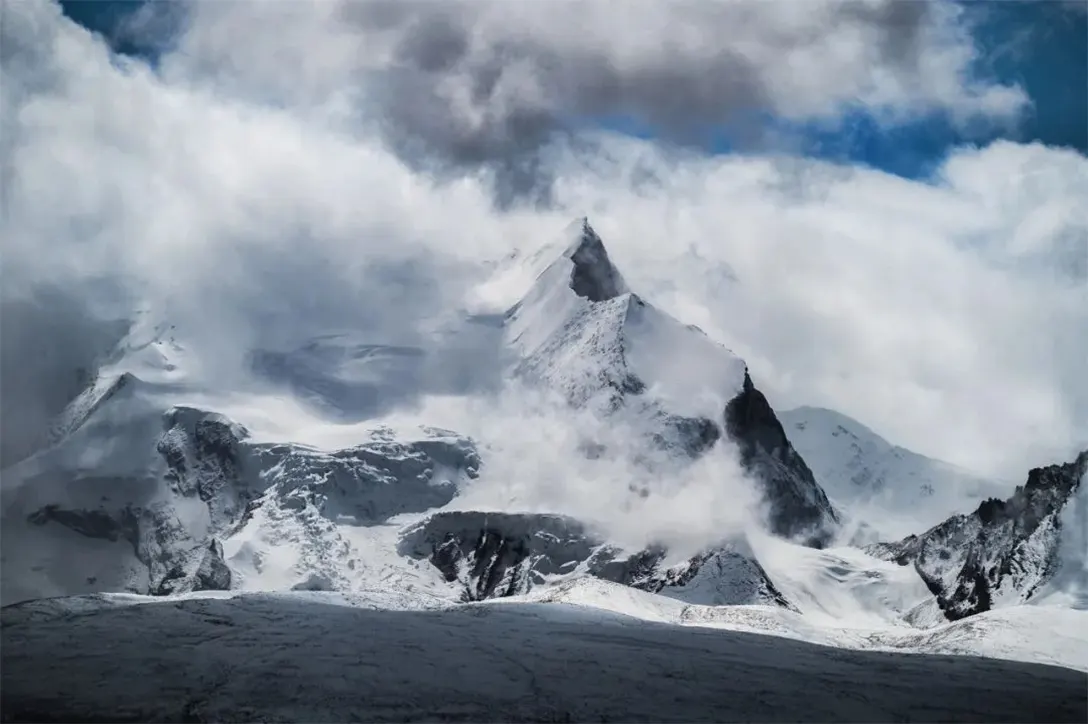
{"x":462,"y":85}
{"x":470,"y":86}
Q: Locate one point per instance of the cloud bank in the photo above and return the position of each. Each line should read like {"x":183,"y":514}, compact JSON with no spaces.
{"x":290,"y":169}
{"x":456,"y":85}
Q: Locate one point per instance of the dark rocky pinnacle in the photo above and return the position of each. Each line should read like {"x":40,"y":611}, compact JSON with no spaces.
{"x":593,"y":277}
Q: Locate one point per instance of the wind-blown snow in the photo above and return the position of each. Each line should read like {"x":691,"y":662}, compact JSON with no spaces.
{"x":689,"y":373}
{"x":840,"y":587}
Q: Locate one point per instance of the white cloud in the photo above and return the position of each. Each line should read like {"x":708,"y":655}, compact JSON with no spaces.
{"x":909,"y":306}
{"x":246,"y":192}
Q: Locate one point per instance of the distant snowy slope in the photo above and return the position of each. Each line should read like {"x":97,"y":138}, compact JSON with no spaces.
{"x":891,"y":488}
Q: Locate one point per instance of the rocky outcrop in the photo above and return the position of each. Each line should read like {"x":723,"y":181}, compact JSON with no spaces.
{"x":495,"y":555}
{"x":171,"y":497}
{"x":721,"y":577}
{"x":202,"y":569}
{"x":91,"y":523}
{"x":374,"y":481}
{"x":205,"y":458}
{"x":1000,"y":554}
{"x":798,"y":505}
{"x":593,"y":276}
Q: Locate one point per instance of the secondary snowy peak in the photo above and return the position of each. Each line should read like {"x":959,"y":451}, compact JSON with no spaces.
{"x":864,"y":473}
{"x":1001,"y":554}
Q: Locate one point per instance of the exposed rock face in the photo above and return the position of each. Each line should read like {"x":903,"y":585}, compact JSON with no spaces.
{"x":722,"y":577}
{"x":594,"y":277}
{"x":1000,"y":554}
{"x":203,"y":569}
{"x":205,"y":459}
{"x":494,"y":555}
{"x":374,"y":481}
{"x":798,"y":504}
{"x":91,"y":523}
{"x":172,"y":497}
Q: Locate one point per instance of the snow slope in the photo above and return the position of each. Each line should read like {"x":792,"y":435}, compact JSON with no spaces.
{"x":296,"y":657}
{"x":892,"y":490}
{"x":1051,"y":635}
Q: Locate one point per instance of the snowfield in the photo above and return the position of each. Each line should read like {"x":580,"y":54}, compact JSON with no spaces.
{"x":1051,"y":635}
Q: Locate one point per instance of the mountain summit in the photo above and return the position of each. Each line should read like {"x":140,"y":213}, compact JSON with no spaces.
{"x":593,"y":277}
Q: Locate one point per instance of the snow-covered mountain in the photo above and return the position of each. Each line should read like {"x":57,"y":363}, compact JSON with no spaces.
{"x":581,"y":331}
{"x":878,"y":483}
{"x":160,"y":478}
{"x":134,"y":500}
{"x":179,"y":497}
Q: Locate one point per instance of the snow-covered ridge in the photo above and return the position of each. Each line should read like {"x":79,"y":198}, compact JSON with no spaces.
{"x":1001,"y":554}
